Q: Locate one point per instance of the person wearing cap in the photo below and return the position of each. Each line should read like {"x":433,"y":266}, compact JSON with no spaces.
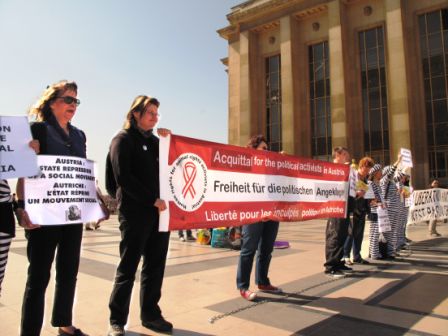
{"x":374,"y":182}
{"x":391,"y":197}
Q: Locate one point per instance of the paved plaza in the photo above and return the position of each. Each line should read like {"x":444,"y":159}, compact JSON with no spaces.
{"x":406,"y":297}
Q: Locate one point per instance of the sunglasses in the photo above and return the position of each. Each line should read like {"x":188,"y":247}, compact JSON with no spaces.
{"x":70,"y":100}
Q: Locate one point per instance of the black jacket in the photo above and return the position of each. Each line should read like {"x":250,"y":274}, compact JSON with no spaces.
{"x":54,"y":141}
{"x":135,"y":164}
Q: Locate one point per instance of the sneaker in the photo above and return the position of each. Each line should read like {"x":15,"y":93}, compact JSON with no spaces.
{"x":348,"y":261}
{"x":335,"y":274}
{"x":191,"y":238}
{"x":405,"y":246}
{"x":435,"y":234}
{"x":345,"y":269}
{"x":182,"y":239}
{"x":116,"y":330}
{"x":248,"y":295}
{"x":159,"y":325}
{"x":361,"y":261}
{"x":269,"y":289}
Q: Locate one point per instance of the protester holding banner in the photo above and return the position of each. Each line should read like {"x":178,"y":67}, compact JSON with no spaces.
{"x":337,"y":228}
{"x":361,"y":207}
{"x":134,"y":156}
{"x":258,"y":237}
{"x":391,"y":197}
{"x":56,"y":135}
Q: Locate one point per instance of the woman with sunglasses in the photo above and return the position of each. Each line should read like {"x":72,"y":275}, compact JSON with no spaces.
{"x":57,"y":136}
{"x":256,"y":237}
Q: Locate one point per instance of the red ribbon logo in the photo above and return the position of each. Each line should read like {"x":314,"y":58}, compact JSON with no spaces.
{"x":189,"y":173}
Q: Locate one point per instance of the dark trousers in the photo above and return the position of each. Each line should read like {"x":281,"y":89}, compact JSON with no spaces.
{"x":335,"y":236}
{"x":139,"y":237}
{"x":256,"y":237}
{"x":41,"y":249}
{"x":181,"y":233}
{"x":355,"y":236}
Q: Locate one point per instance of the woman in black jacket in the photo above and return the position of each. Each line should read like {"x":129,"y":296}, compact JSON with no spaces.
{"x":57,"y":136}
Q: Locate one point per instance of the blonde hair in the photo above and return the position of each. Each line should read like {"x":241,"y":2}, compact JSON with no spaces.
{"x":139,"y":105}
{"x":41,"y":110}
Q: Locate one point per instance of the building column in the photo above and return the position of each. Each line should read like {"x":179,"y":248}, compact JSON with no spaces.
{"x":234,"y":93}
{"x":337,"y":79}
{"x":286,"y":54}
{"x":245,"y":89}
{"x":396,"y":80}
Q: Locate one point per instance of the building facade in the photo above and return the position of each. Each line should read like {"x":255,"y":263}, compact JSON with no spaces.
{"x":371,"y":75}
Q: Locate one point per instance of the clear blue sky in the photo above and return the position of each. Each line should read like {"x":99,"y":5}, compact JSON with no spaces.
{"x":116,"y":50}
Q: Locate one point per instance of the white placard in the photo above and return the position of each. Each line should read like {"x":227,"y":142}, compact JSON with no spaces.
{"x":63,"y":193}
{"x":428,"y":204}
{"x":406,"y":158}
{"x":383,"y":220}
{"x":17,"y":159}
{"x":352,"y":182}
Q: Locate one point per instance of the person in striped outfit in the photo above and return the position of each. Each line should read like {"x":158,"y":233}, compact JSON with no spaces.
{"x":7,"y":226}
{"x":7,"y":223}
{"x":391,"y":197}
{"x":374,"y":182}
{"x":402,"y":182}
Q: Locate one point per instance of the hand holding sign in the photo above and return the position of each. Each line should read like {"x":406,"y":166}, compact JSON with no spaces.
{"x":24,"y":220}
{"x":406,"y":158}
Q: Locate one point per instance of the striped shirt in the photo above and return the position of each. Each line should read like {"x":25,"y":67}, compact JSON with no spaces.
{"x":5,"y":192}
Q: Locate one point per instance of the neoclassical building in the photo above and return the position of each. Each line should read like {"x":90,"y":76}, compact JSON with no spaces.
{"x":371,"y":75}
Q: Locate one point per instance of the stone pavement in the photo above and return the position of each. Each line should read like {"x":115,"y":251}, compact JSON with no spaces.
{"x":406,"y":297}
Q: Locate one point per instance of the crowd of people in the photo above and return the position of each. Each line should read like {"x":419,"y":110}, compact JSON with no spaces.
{"x":134,"y":161}
{"x":385,"y":205}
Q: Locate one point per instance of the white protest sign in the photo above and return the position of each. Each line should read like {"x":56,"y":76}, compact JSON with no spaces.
{"x":352,"y":182}
{"x":383,"y":220}
{"x":17,"y":159}
{"x":428,"y":204}
{"x":63,"y":193}
{"x":406,"y":158}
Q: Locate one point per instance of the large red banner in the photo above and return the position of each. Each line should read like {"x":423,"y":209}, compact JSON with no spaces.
{"x":207,"y":184}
